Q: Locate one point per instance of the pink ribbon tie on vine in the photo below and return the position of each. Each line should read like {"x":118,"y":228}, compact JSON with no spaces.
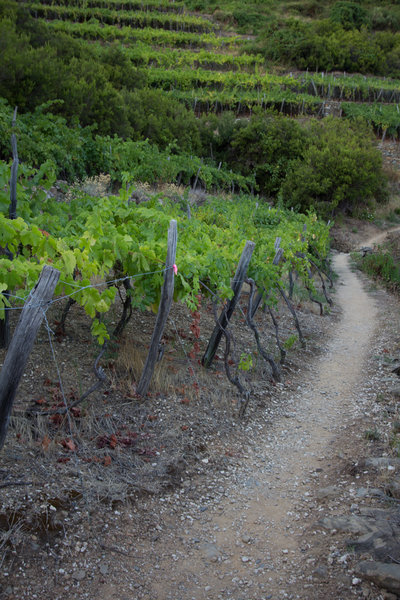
{"x":175,"y":268}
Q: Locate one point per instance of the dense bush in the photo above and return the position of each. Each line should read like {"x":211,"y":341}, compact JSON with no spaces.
{"x":154,"y":115}
{"x":340,"y":170}
{"x":349,"y":15}
{"x":325,"y":46}
{"x":265,"y":146}
{"x":88,"y":82}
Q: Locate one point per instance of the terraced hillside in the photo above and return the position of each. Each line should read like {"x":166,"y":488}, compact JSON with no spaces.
{"x":177,"y":82}
{"x":197,"y":61}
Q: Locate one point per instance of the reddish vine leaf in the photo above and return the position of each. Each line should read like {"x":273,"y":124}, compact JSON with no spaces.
{"x":102,"y":441}
{"x":129,"y":440}
{"x":56,"y":419}
{"x":63,"y":459}
{"x":195,"y":330}
{"x":46,"y":441}
{"x":113,"y":441}
{"x":69,"y":445}
{"x":107,"y":460}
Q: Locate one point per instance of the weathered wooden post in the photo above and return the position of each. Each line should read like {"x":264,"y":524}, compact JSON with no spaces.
{"x":14,"y":172}
{"x":22,"y":342}
{"x":167,"y":295}
{"x":5,"y":323}
{"x":237,"y":283}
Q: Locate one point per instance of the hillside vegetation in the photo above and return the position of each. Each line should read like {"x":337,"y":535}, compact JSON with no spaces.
{"x":207,"y":93}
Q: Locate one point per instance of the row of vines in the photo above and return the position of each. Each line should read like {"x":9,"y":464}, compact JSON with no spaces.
{"x":113,"y":238}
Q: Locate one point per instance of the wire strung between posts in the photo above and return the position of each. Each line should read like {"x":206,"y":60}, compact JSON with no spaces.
{"x":97,"y":285}
{"x":50,"y":332}
{"x":80,"y":289}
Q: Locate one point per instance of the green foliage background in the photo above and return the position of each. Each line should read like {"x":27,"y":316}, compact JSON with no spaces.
{"x":86,"y":108}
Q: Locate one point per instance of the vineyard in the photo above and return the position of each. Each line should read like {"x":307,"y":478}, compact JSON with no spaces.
{"x":107,"y":254}
{"x":170,"y":172}
{"x":192,"y":59}
{"x":171,"y":96}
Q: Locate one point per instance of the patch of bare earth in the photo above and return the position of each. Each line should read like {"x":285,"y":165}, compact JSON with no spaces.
{"x":173,"y":497}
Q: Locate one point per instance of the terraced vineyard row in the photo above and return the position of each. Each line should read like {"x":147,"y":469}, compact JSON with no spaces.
{"x":157,"y":37}
{"x":150,"y":5}
{"x":188,"y":59}
{"x":155,"y":19}
{"x":243,"y":102}
{"x":172,"y":69}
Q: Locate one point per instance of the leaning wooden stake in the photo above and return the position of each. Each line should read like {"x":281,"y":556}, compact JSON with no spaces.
{"x":240,"y":275}
{"x":167,"y":295}
{"x":22,"y":342}
{"x":5,"y":323}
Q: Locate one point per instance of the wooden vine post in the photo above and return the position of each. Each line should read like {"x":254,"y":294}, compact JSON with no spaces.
{"x":237,"y":283}
{"x":22,"y":342}
{"x":14,"y":171}
{"x":167,"y":295}
{"x":5,"y":323}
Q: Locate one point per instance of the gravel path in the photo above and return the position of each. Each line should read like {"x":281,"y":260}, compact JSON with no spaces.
{"x":247,"y":533}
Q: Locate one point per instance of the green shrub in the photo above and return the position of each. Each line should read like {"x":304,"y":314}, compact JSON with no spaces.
{"x":323,"y":46}
{"x":340,"y":170}
{"x":349,"y":15}
{"x":154,"y":115}
{"x":381,"y":265}
{"x":265,"y":146}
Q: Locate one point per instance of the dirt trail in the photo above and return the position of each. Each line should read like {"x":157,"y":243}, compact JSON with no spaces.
{"x":256,"y":544}
{"x":380,"y":237}
{"x":249,"y":535}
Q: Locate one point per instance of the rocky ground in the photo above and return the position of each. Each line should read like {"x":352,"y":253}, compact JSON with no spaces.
{"x":297,"y":500}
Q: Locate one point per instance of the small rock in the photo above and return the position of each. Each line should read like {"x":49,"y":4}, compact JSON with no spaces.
{"x":385,"y":575}
{"x":245,"y":559}
{"x":210,"y":551}
{"x":103,"y":569}
{"x":382,"y":462}
{"x":246,"y":539}
{"x":327,"y":492}
{"x":353,"y":524}
{"x":321,"y":572}
{"x":79,"y":575}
